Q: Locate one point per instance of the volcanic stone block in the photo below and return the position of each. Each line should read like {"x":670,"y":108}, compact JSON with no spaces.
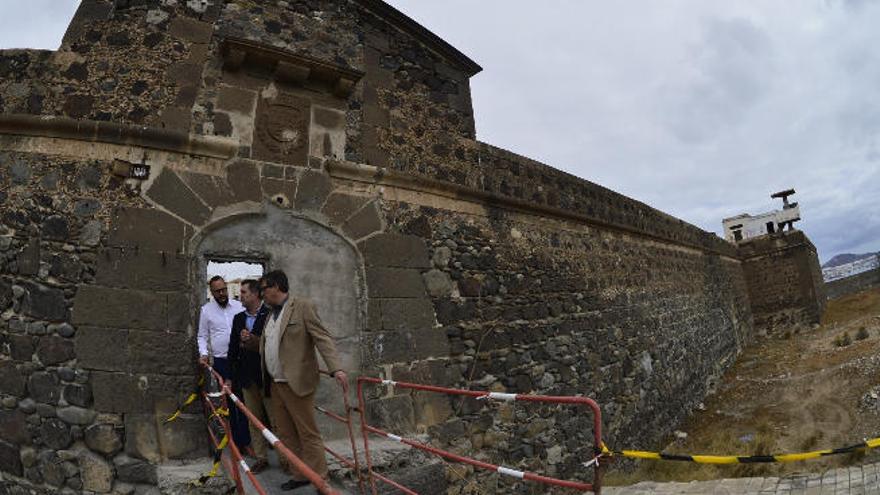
{"x":339,"y":207}
{"x":147,"y":229}
{"x":44,"y":387}
{"x":312,"y":191}
{"x":169,"y":191}
{"x":21,"y":347}
{"x":119,"y":308}
{"x":103,"y":438}
{"x":244,"y":180}
{"x":12,"y":381}
{"x":95,"y":472}
{"x":78,"y":395}
{"x":53,"y":350}
{"x":233,"y":99}
{"x":29,"y":257}
{"x":44,"y":303}
{"x":56,"y":228}
{"x":428,"y":478}
{"x":183,"y":438}
{"x":191,"y":30}
{"x":394,"y":282}
{"x":212,"y":189}
{"x":10,"y":460}
{"x":273,"y":187}
{"x":407,"y":314}
{"x":102,"y":348}
{"x":363,"y":223}
{"x":117,"y":393}
{"x":395,"y":250}
{"x":141,"y":269}
{"x":131,"y":470}
{"x":404,"y":346}
{"x":13,"y":427}
{"x":177,"y":307}
{"x":160,"y":352}
{"x":391,"y":413}
{"x":55,"y":434}
{"x":74,"y":415}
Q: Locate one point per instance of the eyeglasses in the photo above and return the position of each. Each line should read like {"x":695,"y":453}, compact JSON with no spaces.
{"x":224,"y":289}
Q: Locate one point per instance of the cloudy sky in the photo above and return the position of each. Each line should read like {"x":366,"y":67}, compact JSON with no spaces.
{"x":700,"y":109}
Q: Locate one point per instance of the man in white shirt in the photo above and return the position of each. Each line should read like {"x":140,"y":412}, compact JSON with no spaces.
{"x":215,"y":327}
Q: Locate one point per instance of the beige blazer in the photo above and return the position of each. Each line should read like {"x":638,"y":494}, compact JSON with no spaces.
{"x":301,"y":333}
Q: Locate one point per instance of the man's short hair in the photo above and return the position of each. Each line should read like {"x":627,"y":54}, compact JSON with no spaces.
{"x":252,"y":285}
{"x":276,"y":278}
{"x":214,"y":279}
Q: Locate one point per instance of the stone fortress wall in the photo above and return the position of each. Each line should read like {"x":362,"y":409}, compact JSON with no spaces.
{"x":852,"y":284}
{"x":285,"y":131}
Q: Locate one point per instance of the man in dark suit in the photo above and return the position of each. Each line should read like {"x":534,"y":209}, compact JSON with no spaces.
{"x":246,"y":373}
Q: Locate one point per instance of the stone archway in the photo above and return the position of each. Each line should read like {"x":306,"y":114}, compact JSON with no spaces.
{"x":320,"y":264}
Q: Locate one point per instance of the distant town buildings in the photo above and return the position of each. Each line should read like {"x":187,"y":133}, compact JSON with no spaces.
{"x":745,"y":226}
{"x":852,"y":268}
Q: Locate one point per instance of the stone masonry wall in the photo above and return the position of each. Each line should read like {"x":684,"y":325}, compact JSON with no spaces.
{"x":476,"y":267}
{"x":784,"y":280}
{"x":853,"y":284}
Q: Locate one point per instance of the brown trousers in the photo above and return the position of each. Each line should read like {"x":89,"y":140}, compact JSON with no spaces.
{"x":295,"y":421}
{"x":262,"y":409}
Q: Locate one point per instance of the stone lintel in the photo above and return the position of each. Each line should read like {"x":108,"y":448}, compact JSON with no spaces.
{"x":288,"y":66}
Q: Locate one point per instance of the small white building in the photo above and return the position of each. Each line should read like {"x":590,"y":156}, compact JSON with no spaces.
{"x":745,"y":226}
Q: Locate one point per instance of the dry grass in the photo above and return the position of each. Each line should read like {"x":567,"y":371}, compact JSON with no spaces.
{"x":784,"y":395}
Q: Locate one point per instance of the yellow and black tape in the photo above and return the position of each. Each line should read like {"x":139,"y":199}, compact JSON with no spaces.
{"x":740,"y":459}
{"x":189,"y":400}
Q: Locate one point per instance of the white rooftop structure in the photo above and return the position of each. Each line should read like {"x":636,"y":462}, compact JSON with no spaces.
{"x":745,"y":226}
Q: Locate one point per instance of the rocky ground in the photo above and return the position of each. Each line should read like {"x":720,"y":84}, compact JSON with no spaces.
{"x":799,"y":390}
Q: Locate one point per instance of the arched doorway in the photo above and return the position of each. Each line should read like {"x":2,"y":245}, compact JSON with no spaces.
{"x":321,"y":266}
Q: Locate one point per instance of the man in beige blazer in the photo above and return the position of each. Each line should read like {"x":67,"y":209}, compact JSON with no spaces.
{"x":287,"y":346}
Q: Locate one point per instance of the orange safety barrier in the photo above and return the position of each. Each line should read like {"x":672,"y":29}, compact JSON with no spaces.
{"x":595,"y":486}
{"x":319,"y":483}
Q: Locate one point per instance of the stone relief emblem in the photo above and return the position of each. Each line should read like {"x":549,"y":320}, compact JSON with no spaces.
{"x":282,"y":129}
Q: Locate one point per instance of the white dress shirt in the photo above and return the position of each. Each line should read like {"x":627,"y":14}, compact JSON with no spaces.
{"x":215,"y":324}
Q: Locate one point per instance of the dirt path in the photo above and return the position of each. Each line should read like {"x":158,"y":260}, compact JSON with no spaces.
{"x":798,"y":392}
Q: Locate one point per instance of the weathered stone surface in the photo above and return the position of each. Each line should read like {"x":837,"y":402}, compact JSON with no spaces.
{"x":96,"y":473}
{"x":78,"y":395}
{"x":52,"y":468}
{"x":43,"y":302}
{"x":76,"y":415}
{"x":160,"y":352}
{"x":212,"y":189}
{"x":395,"y":250}
{"x":312,"y":191}
{"x":403,"y":346}
{"x":191,"y":30}
{"x":53,"y":350}
{"x":394,"y":282}
{"x":21,"y":347}
{"x":141,"y":269}
{"x":244,"y":180}
{"x":55,"y":434}
{"x":366,"y":221}
{"x":104,"y":439}
{"x":406,"y":314}
{"x":119,"y":308}
{"x":239,"y":100}
{"x":427,"y":478}
{"x":147,"y":229}
{"x":169,"y":191}
{"x":10,"y":460}
{"x":437,"y":283}
{"x":339,"y":206}
{"x":133,"y":470}
{"x":29,"y":257}
{"x":184,"y":438}
{"x":102,"y":348}
{"x":12,"y":381}
{"x":391,"y":413}
{"x":44,"y":387}
{"x":13,"y":427}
